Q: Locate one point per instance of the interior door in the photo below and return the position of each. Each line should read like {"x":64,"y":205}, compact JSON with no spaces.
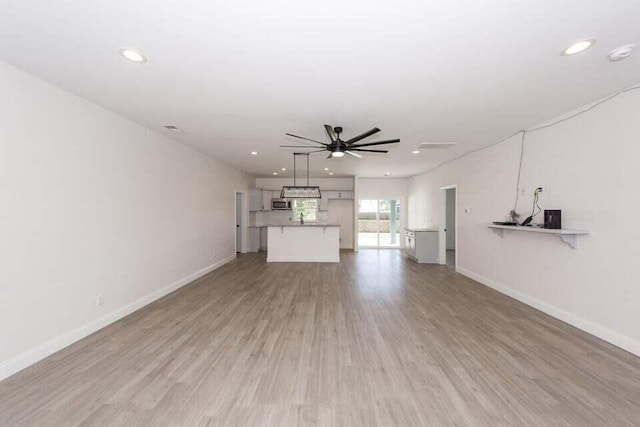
{"x":238,"y":222}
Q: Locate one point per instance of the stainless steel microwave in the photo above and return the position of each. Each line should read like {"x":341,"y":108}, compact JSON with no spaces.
{"x":280,"y":204}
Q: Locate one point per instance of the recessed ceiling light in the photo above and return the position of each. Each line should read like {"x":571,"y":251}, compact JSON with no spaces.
{"x":415,"y":152}
{"x":254,"y":153}
{"x":330,"y":173}
{"x":578,"y":47}
{"x":620,"y":53}
{"x":326,"y":169}
{"x":275,"y":173}
{"x":284,"y":169}
{"x":387,"y":174}
{"x":173,"y":128}
{"x":132,"y":55}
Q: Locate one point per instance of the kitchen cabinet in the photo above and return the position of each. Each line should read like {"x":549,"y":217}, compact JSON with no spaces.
{"x":264,"y":235}
{"x":267,"y":195}
{"x":422,"y":245}
{"x":336,"y":195}
{"x":253,"y":239}
{"x":304,"y":243}
{"x":257,"y":239}
{"x":348,"y":195}
{"x":255,"y":200}
{"x":323,"y":203}
{"x":410,"y":243}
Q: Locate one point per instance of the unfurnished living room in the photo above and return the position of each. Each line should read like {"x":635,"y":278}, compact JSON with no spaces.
{"x":337,"y":213}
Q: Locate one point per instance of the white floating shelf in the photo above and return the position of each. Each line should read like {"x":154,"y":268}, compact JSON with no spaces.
{"x":570,"y":237}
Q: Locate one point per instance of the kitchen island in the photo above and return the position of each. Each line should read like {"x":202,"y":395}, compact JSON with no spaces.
{"x":303,"y":243}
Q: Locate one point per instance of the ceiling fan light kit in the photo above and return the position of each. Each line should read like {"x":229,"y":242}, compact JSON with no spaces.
{"x":337,"y":147}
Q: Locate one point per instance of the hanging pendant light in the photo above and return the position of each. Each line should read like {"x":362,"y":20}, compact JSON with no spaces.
{"x":300,"y":191}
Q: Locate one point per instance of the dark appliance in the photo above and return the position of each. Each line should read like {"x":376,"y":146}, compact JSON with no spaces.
{"x":280,"y":205}
{"x":553,"y":219}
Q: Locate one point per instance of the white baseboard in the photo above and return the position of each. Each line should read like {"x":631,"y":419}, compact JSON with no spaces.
{"x":29,"y":357}
{"x":611,"y":336}
{"x":302,"y":259}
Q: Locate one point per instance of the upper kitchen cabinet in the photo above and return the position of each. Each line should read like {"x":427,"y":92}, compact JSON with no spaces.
{"x":336,"y":195}
{"x":260,"y":200}
{"x":255,"y":200}
{"x":348,"y":195}
{"x":333,"y":195}
{"x":267,"y":195}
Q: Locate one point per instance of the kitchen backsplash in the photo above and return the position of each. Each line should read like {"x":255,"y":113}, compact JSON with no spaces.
{"x":279,"y":218}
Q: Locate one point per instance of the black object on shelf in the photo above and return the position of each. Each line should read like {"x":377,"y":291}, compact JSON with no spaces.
{"x":553,"y":219}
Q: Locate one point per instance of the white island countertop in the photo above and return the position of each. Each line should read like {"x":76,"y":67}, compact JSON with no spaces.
{"x":311,"y":224}
{"x":313,"y":242}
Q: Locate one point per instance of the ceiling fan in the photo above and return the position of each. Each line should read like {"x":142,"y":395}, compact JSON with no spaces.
{"x":338,"y":147}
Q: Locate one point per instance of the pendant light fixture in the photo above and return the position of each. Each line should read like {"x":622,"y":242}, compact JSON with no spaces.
{"x":300,"y":191}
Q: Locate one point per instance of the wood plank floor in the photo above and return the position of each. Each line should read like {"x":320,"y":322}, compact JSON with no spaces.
{"x":373,"y":341}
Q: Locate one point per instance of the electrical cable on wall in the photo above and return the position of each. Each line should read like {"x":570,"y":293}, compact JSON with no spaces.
{"x":514,"y":213}
{"x":522,"y":141}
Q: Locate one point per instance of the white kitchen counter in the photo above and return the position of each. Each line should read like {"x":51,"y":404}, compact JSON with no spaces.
{"x":303,"y":243}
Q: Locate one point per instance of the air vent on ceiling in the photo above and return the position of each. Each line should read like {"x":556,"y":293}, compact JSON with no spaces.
{"x":173,"y":128}
{"x":426,"y":145}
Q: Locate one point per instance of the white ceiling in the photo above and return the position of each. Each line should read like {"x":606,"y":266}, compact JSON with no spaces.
{"x":237,"y":75}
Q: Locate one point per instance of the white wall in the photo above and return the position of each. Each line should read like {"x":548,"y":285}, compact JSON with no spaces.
{"x":341,"y":212}
{"x":93,"y":204}
{"x":451,"y":218}
{"x":387,"y":188}
{"x":588,"y":167}
{"x":323,"y":183}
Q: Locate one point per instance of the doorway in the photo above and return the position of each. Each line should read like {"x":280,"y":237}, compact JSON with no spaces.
{"x":241,"y":225}
{"x":448,"y":240}
{"x":379,"y":223}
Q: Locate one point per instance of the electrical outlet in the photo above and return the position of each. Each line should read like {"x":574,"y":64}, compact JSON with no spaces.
{"x":100,"y":300}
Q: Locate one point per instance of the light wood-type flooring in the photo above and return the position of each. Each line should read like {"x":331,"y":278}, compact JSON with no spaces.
{"x":376,"y":340}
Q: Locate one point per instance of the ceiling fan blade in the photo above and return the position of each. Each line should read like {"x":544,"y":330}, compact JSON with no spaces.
{"x":302,"y":137}
{"x":330,"y":132}
{"x":303,"y":146}
{"x":390,"y":141}
{"x":370,"y":151}
{"x":330,"y":155}
{"x":363,"y":136}
{"x":354,"y":154}
{"x":316,"y":151}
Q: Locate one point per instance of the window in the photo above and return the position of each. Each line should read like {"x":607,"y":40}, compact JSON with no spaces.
{"x":307,"y":207}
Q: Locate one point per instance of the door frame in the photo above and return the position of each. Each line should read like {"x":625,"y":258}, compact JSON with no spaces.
{"x":442,"y":234}
{"x":243,"y":221}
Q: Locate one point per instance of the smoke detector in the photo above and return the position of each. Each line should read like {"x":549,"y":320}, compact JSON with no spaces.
{"x":620,"y":53}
